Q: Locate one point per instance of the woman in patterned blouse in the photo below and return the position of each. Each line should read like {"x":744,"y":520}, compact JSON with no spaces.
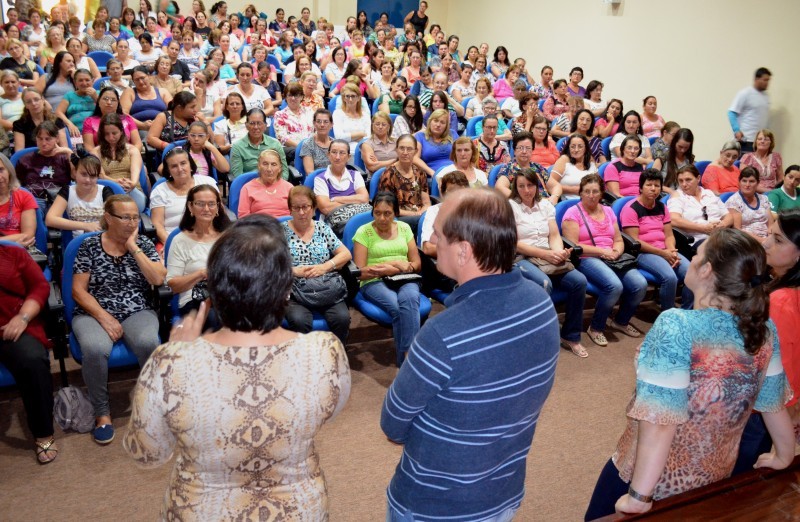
{"x":699,"y":374}
{"x":245,"y":402}
{"x":407,"y":182}
{"x":113,"y":275}
{"x":315,"y":251}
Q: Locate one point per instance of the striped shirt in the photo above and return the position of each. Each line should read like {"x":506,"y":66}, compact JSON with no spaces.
{"x":466,"y":401}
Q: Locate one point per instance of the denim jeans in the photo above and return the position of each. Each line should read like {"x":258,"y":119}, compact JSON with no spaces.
{"x":574,"y":284}
{"x":402,"y":306}
{"x":668,"y":279}
{"x":140,"y":333}
{"x":631,"y":287}
{"x":392,"y":515}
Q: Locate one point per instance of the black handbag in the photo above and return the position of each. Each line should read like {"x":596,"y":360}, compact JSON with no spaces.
{"x":396,"y":282}
{"x":319,"y":292}
{"x":621,"y":264}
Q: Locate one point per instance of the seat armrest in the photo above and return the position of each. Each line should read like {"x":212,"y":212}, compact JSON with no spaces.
{"x":632,"y":246}
{"x":295,"y":178}
{"x":683,"y":242}
{"x":148,"y":229}
{"x":352,"y":269}
{"x":609,"y":199}
{"x":577,"y":251}
{"x":55,"y":304}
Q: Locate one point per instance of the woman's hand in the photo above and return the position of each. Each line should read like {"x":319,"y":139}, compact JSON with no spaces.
{"x":112,"y":327}
{"x":130,"y":244}
{"x":191,"y":326}
{"x":671,"y":255}
{"x":318,"y":270}
{"x":608,"y":254}
{"x":555,"y":257}
{"x":74,"y":131}
{"x":126,"y":184}
{"x":14,"y":328}
{"x":626,"y":504}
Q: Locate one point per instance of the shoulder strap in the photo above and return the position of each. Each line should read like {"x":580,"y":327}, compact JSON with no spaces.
{"x":588,"y":228}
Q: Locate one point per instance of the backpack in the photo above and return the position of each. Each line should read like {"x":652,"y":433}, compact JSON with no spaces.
{"x":72,"y":410}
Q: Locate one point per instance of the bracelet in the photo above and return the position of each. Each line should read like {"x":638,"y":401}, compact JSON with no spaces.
{"x":25,"y":317}
{"x":333,"y":263}
{"x":638,"y":496}
{"x":134,"y":253}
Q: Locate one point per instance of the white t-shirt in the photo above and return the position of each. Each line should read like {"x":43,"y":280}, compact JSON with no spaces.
{"x":344,"y":127}
{"x":186,"y":256}
{"x":619,"y":137}
{"x":257,"y":100}
{"x":512,"y":105}
{"x":533,"y":224}
{"x":174,"y":205}
{"x":476,"y":105}
{"x":572,"y":177}
{"x":348,"y":178}
{"x":427,"y":224}
{"x":752,"y":108}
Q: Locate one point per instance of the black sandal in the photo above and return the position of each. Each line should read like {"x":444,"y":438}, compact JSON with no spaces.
{"x":43,"y":448}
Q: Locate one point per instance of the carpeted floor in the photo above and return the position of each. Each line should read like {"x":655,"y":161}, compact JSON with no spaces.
{"x":577,"y":432}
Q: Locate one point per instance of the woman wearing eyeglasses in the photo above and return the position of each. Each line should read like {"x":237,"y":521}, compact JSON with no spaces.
{"x":203,"y":221}
{"x":316,"y":251}
{"x":168,"y":200}
{"x":111,"y":286}
{"x":350,"y":122}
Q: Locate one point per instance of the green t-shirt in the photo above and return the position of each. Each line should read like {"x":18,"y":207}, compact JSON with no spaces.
{"x":381,"y":250}
{"x":395,"y":106}
{"x":781,"y":202}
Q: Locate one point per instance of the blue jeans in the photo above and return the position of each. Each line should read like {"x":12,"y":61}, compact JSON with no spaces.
{"x":402,"y":306}
{"x":574,"y":284}
{"x":668,"y":279}
{"x":631,"y":287}
{"x":392,"y":515}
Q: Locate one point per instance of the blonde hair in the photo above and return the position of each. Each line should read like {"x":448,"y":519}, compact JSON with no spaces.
{"x":386,"y":119}
{"x":13,"y":181}
{"x":435,"y":115}
{"x":349,"y":87}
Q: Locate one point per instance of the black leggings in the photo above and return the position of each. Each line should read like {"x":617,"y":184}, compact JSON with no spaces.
{"x":607,"y":491}
{"x":29,"y":363}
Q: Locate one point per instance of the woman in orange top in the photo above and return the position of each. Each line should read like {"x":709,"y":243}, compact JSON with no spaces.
{"x":722,"y":175}
{"x":545,"y":152}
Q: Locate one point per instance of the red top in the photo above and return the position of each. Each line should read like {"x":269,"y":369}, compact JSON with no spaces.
{"x":784,"y":308}
{"x":22,"y":279}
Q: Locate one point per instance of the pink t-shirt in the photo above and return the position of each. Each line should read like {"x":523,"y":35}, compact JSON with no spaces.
{"x":627,"y":177}
{"x":602,"y":122}
{"x":603,"y":231}
{"x":92,"y":124}
{"x":649,"y":221}
{"x":202,"y":164}
{"x":502,"y":90}
{"x":255,"y":199}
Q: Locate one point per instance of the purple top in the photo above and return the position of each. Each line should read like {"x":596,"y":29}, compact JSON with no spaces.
{"x":581,"y":91}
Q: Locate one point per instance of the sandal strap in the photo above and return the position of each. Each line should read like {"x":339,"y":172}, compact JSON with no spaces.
{"x":45,"y":446}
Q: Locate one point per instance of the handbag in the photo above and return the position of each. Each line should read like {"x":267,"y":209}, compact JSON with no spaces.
{"x":549,"y":268}
{"x":395,"y":282}
{"x":319,"y":292}
{"x":339,"y":216}
{"x":619,"y":265}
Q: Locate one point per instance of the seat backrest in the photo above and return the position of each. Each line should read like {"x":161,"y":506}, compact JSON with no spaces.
{"x":494,"y":173}
{"x":606,"y":146}
{"x":66,"y":278}
{"x":236,"y":189}
{"x":17,"y":155}
{"x":560,"y":143}
{"x":113,"y":185}
{"x":100,"y":58}
{"x":99,"y":81}
{"x":561,"y":209}
{"x":419,"y":229}
{"x":144,"y":180}
{"x":375,"y":182}
{"x":601,"y":170}
{"x":701,"y":166}
{"x":416,"y":88}
{"x":652,"y":140}
{"x":358,"y":158}
{"x":170,"y":146}
{"x":376,"y":104}
{"x":298,"y":160}
{"x":332,"y":103}
{"x":465,"y":101}
{"x":541,"y":103}
{"x":725,"y":196}
{"x":618,"y":205}
{"x":352,"y":226}
{"x":309,"y":182}
{"x":472,"y":124}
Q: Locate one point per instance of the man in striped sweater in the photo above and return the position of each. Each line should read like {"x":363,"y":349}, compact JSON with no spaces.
{"x":466,"y":401}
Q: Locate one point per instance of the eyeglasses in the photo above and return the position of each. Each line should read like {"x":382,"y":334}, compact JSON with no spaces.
{"x":295,"y":96}
{"x":705,"y":214}
{"x":540,"y":128}
{"x":523,"y":148}
{"x":108,"y":100}
{"x":205,"y":204}
{"x":350,"y":96}
{"x":256,"y":123}
{"x":197,"y":136}
{"x":301,"y":208}
{"x":126,"y":219}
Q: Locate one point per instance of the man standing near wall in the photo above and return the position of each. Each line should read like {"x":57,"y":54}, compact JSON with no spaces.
{"x":749,"y":112}
{"x":466,"y":401}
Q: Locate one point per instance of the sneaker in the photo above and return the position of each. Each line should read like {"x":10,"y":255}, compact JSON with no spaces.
{"x":103,"y":434}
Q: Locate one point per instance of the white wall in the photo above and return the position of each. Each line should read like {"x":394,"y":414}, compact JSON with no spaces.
{"x":693,"y":55}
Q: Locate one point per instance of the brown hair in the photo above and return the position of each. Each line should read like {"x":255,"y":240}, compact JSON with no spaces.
{"x":460,"y":141}
{"x":456,"y":178}
{"x":485,"y":220}
{"x":301,"y":191}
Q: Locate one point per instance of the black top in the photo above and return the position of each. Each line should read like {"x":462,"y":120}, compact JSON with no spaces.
{"x":24,"y":70}
{"x":419,"y":23}
{"x":26,"y":126}
{"x":181,"y":68}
